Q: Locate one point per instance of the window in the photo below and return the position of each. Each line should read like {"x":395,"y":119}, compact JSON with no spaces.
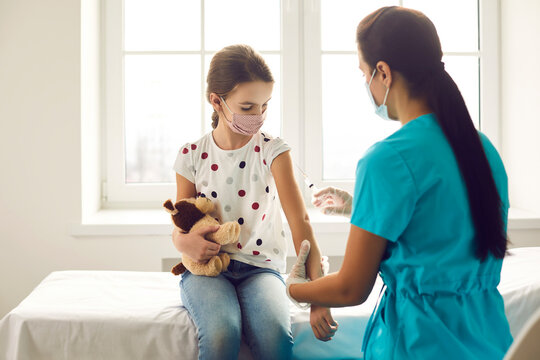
{"x":157,"y":55}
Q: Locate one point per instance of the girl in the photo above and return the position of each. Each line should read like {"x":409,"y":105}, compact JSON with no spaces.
{"x":244,"y":172}
{"x":429,"y":210}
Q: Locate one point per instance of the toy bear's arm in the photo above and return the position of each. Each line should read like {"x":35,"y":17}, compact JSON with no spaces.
{"x":205,"y":205}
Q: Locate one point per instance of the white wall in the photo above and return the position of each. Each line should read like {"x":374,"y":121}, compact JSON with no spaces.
{"x":40,"y":154}
{"x":40,"y":144}
{"x":520,"y":93}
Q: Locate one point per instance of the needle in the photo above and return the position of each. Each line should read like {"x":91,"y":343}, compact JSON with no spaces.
{"x":308,"y":182}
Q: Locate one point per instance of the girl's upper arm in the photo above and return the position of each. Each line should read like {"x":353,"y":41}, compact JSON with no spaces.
{"x":184,"y":188}
{"x":289,"y":193}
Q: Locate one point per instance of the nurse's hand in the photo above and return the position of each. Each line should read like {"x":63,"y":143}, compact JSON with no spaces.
{"x":298,"y":272}
{"x":333,"y":201}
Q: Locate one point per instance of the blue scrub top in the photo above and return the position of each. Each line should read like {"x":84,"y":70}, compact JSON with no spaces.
{"x":440,"y":301}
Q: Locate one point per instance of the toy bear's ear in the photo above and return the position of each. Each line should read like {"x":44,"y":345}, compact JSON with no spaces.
{"x":178,"y":269}
{"x":168,"y":205}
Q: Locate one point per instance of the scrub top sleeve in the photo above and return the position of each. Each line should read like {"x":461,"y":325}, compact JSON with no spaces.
{"x":384,"y":194}
{"x":273,"y":148}
{"x":184,"y":163}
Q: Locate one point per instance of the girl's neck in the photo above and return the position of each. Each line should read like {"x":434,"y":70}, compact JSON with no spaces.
{"x":226,"y":139}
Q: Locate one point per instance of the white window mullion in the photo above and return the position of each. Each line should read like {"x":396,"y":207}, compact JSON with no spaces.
{"x":312,"y":65}
{"x":291,"y":79}
{"x":490,"y":108}
{"x":114,"y":91}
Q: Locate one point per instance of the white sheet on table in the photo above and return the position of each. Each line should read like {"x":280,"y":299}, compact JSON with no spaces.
{"x":139,"y":315}
{"x":520,"y":286}
{"x":100,"y":315}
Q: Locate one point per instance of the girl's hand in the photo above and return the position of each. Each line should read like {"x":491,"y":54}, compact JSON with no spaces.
{"x":333,"y":201}
{"x":195,"y":245}
{"x":323,"y":325}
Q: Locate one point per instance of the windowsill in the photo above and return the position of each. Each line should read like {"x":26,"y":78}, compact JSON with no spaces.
{"x":144,"y":222}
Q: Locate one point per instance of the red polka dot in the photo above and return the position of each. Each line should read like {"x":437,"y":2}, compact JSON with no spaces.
{"x":204,"y":155}
{"x":242,"y":193}
{"x":257,"y":148}
{"x":267,"y":260}
{"x":214,"y":167}
{"x":264,"y":216}
{"x":264,"y":162}
{"x":255,"y":252}
{"x":193,"y":146}
{"x":255,"y":206}
{"x":239,"y":246}
{"x":185,"y":151}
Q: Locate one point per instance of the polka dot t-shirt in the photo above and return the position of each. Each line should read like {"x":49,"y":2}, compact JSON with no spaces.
{"x":240,"y":184}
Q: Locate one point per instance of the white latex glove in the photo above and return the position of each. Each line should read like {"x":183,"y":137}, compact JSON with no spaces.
{"x":325,"y":265}
{"x":298,"y":272}
{"x":333,"y":201}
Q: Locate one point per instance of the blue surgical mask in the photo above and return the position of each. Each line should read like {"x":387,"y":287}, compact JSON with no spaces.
{"x":380,"y":110}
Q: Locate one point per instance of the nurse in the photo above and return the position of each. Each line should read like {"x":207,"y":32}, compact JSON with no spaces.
{"x":429,"y":209}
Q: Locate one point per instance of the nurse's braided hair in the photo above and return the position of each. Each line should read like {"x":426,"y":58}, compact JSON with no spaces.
{"x":233,"y":65}
{"x":408,"y":42}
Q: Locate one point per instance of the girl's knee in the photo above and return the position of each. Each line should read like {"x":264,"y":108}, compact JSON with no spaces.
{"x":275,"y":342}
{"x":222,"y":327}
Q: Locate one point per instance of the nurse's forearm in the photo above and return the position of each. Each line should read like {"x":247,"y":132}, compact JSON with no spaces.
{"x":328,"y":291}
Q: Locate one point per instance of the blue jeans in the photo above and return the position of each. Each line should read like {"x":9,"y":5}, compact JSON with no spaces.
{"x":245,"y":300}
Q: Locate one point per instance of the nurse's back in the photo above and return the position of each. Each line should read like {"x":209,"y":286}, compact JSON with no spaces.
{"x":441,"y":232}
{"x":441,"y":299}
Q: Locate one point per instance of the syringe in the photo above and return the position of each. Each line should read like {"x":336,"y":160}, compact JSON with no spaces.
{"x":308,"y":182}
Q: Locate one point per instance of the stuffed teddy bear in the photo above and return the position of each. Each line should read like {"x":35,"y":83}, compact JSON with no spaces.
{"x":192,"y":214}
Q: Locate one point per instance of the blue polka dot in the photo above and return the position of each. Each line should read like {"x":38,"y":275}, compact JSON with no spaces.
{"x":259,"y":242}
{"x":214,"y":194}
{"x":267,"y":189}
{"x":242,"y":164}
{"x":241,"y":221}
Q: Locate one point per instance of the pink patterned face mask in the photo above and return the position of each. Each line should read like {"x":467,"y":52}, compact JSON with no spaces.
{"x":245,"y":124}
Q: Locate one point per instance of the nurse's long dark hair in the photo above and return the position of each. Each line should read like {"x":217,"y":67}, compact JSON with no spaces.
{"x":408,"y":42}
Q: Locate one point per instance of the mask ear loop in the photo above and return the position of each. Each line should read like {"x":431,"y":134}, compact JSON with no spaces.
{"x":387,"y":89}
{"x":227,"y":106}
{"x":371,"y":80}
{"x":386,"y":95}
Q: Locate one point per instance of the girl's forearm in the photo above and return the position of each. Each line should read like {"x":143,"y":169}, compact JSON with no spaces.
{"x":313,"y":264}
{"x":328,"y":291}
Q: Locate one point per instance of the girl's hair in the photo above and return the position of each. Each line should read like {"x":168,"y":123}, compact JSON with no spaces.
{"x":408,"y":42}
{"x":231,"y":66}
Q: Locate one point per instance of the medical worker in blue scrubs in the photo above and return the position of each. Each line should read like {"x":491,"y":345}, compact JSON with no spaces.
{"x":429,"y":209}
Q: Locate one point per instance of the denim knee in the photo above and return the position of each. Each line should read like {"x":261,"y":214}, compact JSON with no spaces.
{"x":277,"y":343}
{"x":220,"y":340}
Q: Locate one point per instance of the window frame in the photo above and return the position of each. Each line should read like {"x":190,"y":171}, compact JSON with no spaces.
{"x":301,"y":96}
{"x":489,"y":116}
